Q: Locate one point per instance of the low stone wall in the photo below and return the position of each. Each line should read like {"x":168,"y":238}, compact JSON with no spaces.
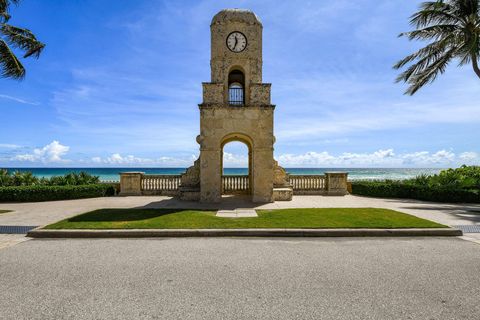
{"x":236,"y":184}
{"x":160,"y":185}
{"x":138,"y":183}
{"x":308,"y":184}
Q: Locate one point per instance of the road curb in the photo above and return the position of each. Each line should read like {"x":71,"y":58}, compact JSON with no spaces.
{"x":152,"y":233}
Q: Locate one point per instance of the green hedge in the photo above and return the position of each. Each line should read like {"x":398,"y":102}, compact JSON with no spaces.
{"x":48,"y":193}
{"x":399,"y":189}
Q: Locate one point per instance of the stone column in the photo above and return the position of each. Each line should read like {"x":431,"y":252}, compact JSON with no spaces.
{"x":262,"y":175}
{"x":131,"y":183}
{"x":336,"y":183}
{"x":210,"y":176}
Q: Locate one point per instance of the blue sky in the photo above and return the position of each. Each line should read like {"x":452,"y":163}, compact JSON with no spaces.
{"x":119,"y":82}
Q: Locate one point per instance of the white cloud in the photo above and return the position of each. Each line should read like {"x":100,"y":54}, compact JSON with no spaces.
{"x":9,"y":146}
{"x":470,"y":157}
{"x":424,"y":158}
{"x":22,"y":101}
{"x":52,"y":152}
{"x":231,"y":160}
{"x":387,"y":158}
{"x":117,"y":158}
{"x":131,"y":160}
{"x":380,"y":158}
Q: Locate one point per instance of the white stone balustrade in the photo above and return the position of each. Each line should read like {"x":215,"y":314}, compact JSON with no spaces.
{"x":160,"y":184}
{"x":138,"y":183}
{"x":235,"y":184}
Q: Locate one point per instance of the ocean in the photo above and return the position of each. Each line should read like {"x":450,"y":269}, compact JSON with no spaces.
{"x":112,"y":174}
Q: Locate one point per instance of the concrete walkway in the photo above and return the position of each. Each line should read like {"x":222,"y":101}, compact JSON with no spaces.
{"x":44,"y":213}
{"x":237,"y":213}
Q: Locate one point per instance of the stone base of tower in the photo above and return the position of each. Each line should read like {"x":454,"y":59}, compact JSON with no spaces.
{"x":189,"y":189}
{"x":282,"y":194}
{"x":282,"y":189}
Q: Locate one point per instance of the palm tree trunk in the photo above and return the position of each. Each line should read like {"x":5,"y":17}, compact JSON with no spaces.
{"x":475,"y":65}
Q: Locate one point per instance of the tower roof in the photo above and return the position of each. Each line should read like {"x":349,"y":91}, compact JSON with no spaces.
{"x":236,"y":15}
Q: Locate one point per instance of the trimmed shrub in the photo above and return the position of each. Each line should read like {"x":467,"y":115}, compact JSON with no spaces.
{"x":407,"y":189}
{"x":49,"y":193}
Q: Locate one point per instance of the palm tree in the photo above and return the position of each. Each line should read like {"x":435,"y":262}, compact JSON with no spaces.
{"x":18,"y":38}
{"x":453,"y":27}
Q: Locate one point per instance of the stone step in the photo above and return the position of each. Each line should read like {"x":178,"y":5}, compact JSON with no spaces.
{"x":237,"y":213}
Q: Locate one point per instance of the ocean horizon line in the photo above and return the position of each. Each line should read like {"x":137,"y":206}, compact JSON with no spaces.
{"x":113,"y":173}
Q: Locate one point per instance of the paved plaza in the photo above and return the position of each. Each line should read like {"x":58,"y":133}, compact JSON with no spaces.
{"x":43,"y":213}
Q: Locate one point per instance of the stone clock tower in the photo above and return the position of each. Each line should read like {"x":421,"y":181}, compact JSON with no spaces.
{"x":236,"y":107}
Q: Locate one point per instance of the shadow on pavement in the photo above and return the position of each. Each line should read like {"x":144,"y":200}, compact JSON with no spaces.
{"x":228,"y":203}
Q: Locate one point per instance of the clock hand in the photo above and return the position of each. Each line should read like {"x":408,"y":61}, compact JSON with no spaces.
{"x":236,"y":41}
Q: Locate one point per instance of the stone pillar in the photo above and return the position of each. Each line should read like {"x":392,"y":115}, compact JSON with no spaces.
{"x":210,"y":176}
{"x":189,"y":189}
{"x":131,"y":183}
{"x":262,"y":175}
{"x":336,"y":183}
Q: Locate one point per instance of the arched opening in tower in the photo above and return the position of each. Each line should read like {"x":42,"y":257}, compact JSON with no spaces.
{"x":236,"y":88}
{"x":236,"y":168}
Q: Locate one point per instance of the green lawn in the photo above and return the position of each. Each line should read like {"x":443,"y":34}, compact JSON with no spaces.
{"x":4,"y":211}
{"x":284,"y":218}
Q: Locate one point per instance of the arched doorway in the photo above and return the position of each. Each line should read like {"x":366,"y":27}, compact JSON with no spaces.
{"x":236,"y":88}
{"x":236,"y":165}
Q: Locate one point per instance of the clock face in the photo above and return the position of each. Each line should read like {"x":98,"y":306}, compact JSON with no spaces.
{"x":236,"y":41}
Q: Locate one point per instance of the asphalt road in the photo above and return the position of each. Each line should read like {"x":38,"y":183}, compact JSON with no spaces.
{"x":385,"y":278}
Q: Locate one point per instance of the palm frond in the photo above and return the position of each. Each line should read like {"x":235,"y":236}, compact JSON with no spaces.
{"x":430,"y":73}
{"x":424,"y":18}
{"x":23,"y":39}
{"x":465,"y":7}
{"x":453,"y":26}
{"x":432,"y":32}
{"x":10,"y":66}
{"x":4,"y":17}
{"x":426,"y":53}
{"x":4,"y":4}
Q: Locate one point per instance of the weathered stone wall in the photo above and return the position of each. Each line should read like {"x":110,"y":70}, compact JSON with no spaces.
{"x":131,"y":183}
{"x":223,"y":60}
{"x":260,"y":93}
{"x":251,"y":125}
{"x":213,"y":93}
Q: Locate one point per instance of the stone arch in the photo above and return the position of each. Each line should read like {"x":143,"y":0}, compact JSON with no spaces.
{"x":237,"y":67}
{"x":243,"y":82}
{"x":237,"y":136}
{"x":248,"y":141}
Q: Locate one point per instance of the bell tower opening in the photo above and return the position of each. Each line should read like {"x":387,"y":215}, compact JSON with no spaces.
{"x":236,"y":88}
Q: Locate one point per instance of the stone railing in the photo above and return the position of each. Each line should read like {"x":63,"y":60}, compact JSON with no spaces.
{"x":307,"y":182}
{"x":160,"y":184}
{"x":235,"y":184}
{"x":138,"y":183}
{"x":331,"y":183}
